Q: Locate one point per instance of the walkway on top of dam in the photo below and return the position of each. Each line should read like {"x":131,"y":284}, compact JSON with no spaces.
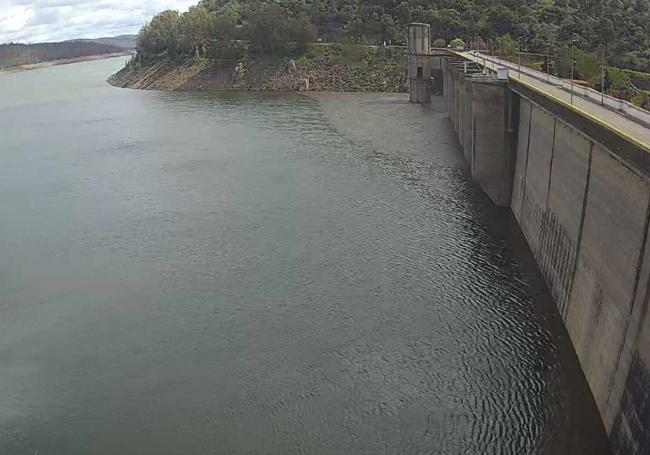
{"x":610,"y":118}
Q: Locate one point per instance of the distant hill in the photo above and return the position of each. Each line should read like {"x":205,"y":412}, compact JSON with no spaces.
{"x":16,"y":54}
{"x":124,"y":41}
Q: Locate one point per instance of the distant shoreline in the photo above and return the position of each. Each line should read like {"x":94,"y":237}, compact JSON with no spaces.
{"x":65,"y":61}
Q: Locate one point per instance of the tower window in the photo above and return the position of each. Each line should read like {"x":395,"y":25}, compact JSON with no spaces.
{"x":419,"y":72}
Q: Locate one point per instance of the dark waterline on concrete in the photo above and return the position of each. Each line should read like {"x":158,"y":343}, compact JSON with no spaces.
{"x":263,"y":273}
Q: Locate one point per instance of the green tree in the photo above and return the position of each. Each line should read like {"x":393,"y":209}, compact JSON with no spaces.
{"x":621,"y":26}
{"x":563,"y":62}
{"x":225,"y":24}
{"x":267,"y":28}
{"x":457,"y":43}
{"x":160,"y":35}
{"x":446,"y":23}
{"x":500,"y":20}
{"x":301,"y":30}
{"x":506,"y":46}
{"x":197,"y":27}
{"x":587,"y":65}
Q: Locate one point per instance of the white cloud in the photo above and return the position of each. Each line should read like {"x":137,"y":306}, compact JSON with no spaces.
{"x":35,"y":21}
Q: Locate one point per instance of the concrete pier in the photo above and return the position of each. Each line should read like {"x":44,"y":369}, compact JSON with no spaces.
{"x":479,"y":113}
{"x":492,"y":160}
{"x":467,"y":127}
{"x":419,"y":69}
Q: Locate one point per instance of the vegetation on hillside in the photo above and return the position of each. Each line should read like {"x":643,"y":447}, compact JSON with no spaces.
{"x":620,"y":26}
{"x":16,"y":54}
{"x":328,"y":67}
{"x":608,"y":40}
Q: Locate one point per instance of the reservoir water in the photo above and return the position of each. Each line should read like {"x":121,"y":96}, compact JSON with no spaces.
{"x":257,"y":273}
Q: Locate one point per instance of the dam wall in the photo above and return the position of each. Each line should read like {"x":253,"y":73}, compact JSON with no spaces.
{"x":480,"y":111}
{"x":580,"y":193}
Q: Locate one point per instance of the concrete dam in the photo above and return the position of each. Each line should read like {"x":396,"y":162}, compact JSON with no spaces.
{"x":575,"y":174}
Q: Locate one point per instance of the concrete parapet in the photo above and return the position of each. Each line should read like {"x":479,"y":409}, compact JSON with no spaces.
{"x":467,"y":127}
{"x":446,"y":84}
{"x":492,"y":157}
{"x":521,"y":157}
{"x":462,"y":107}
{"x":457,"y":87}
{"x":437,"y":73}
{"x":482,"y":127}
{"x":451,"y":89}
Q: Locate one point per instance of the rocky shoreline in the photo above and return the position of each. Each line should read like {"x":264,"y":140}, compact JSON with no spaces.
{"x":372,"y":70}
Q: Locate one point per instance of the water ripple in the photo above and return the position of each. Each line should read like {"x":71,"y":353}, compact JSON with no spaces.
{"x":264,"y":273}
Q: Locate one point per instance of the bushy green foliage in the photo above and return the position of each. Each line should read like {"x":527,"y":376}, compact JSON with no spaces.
{"x":619,"y":79}
{"x":641,"y":99}
{"x":621,"y":27}
{"x":225,"y":50}
{"x":506,"y":46}
{"x":348,"y":53}
{"x":160,"y":35}
{"x":639,"y":79}
{"x":439,"y":42}
{"x":457,"y":43}
{"x":588,"y":65}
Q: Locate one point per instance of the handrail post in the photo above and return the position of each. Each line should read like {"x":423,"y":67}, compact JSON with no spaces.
{"x":602,"y":76}
{"x":572,"y":72}
{"x":548,"y":64}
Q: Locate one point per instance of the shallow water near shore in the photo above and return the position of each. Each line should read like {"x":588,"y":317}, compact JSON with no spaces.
{"x":264,"y":273}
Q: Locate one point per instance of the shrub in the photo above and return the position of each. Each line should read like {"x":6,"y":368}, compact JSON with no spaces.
{"x":641,"y":99}
{"x":457,"y":43}
{"x":439,"y":42}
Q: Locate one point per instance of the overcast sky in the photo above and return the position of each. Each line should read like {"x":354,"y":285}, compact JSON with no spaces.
{"x":35,"y":21}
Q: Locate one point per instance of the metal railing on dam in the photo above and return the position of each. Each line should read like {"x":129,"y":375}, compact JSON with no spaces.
{"x":576,"y":175}
{"x":634,"y":113}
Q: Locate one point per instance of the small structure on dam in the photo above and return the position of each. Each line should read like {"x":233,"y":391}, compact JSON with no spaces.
{"x":419,"y":53}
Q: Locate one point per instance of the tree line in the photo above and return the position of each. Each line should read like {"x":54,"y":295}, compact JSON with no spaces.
{"x":15,"y":54}
{"x":619,"y":27}
{"x":210,"y":30}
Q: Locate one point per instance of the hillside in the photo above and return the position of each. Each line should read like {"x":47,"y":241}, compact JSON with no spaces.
{"x":127,"y":42}
{"x":619,"y":27}
{"x":14,"y":54}
{"x":328,"y":68}
{"x":613,"y":32}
